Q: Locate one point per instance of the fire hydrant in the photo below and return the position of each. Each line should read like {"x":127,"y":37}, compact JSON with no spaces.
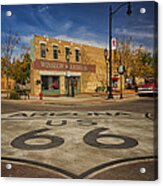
{"x":41,"y":95}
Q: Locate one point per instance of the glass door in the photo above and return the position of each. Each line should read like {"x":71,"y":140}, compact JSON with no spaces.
{"x":73,"y":81}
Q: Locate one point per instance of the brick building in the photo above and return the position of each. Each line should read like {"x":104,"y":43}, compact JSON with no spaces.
{"x":57,"y":65}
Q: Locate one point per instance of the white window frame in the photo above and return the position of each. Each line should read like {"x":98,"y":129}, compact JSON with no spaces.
{"x":76,"y":48}
{"x":42,"y":42}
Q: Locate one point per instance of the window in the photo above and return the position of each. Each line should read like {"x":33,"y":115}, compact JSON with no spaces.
{"x":67,"y":53}
{"x":50,"y":82}
{"x":50,"y":85}
{"x":77,"y":55}
{"x":55,"y":52}
{"x":43,"y":50}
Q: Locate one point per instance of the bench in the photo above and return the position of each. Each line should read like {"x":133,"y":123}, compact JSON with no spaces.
{"x":24,"y":93}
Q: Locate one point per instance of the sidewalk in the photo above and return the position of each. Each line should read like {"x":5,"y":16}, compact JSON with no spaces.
{"x":82,"y":99}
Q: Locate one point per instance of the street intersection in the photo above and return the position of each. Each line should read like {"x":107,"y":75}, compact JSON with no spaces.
{"x":102,"y":144}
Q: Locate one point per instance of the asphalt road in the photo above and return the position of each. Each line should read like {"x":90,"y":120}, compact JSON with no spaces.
{"x":140,"y":105}
{"x":106,"y":145}
{"x":78,"y":144}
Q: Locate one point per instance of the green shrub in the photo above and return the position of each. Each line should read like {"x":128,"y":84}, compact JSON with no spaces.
{"x":22,"y":90}
{"x":100,"y":89}
{"x":14,"y":95}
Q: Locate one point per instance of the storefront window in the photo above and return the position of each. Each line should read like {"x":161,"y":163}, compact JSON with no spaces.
{"x":77,"y":55}
{"x":43,"y":50}
{"x":50,"y":85}
{"x":55,"y":52}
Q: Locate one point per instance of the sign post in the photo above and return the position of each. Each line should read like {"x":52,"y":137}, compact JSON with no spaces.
{"x":114,"y":43}
{"x":121,"y":70}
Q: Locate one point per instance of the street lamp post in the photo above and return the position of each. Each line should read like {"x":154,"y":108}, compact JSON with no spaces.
{"x":68,"y":73}
{"x":121,"y":92}
{"x":111,"y":13}
{"x":106,"y":61}
{"x":121,"y":70}
{"x":110,"y":95}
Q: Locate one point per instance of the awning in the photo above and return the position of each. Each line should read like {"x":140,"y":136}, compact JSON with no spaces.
{"x":51,"y":73}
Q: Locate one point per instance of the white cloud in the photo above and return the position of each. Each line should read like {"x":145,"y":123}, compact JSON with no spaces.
{"x":43,"y":8}
{"x":26,"y":39}
{"x":67,"y":25}
{"x":83,"y":33}
{"x":137,"y":27}
{"x":81,"y":41}
{"x":134,"y":34}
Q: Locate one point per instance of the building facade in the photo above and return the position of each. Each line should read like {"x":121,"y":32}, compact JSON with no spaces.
{"x":58,"y":66}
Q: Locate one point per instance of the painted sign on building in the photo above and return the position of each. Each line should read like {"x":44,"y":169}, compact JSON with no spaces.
{"x":53,"y":65}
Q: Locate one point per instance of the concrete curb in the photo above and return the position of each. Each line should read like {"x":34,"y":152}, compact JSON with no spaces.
{"x":74,"y":101}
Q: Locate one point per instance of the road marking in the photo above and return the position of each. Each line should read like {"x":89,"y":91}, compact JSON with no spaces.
{"x":76,"y":141}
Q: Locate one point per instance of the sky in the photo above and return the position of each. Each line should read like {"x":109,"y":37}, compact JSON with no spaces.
{"x":85,"y":23}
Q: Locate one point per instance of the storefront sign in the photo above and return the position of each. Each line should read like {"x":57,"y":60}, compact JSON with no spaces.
{"x":53,"y":65}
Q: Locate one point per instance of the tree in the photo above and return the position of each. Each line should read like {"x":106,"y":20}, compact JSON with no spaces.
{"x":9,"y":42}
{"x":138,"y":61}
{"x":144,"y":63}
{"x":125,"y":56}
{"x":21,"y":69}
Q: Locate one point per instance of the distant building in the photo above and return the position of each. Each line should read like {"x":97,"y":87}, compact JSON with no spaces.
{"x":51,"y":71}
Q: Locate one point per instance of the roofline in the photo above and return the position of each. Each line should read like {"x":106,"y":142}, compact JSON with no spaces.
{"x":68,"y":41}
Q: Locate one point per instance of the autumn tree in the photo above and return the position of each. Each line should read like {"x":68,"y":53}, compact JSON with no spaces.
{"x":142,"y":64}
{"x":9,"y":43}
{"x":138,"y":61}
{"x":124,"y":56}
{"x":21,"y":69}
{"x":155,"y":64}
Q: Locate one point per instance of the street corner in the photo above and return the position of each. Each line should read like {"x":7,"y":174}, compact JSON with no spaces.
{"x":87,"y":100}
{"x":77,"y":144}
{"x":75,"y":90}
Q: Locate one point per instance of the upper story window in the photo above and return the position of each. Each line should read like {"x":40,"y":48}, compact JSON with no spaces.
{"x":67,"y":53}
{"x":55,"y":52}
{"x":43,"y":50}
{"x":77,"y":55}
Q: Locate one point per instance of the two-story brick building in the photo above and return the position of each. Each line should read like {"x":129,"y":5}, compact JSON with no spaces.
{"x":57,"y":65}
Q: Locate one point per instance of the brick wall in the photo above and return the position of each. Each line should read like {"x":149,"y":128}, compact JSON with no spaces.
{"x":89,"y":56}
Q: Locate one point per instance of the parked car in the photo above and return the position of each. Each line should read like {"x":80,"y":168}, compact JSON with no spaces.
{"x":149,"y":88}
